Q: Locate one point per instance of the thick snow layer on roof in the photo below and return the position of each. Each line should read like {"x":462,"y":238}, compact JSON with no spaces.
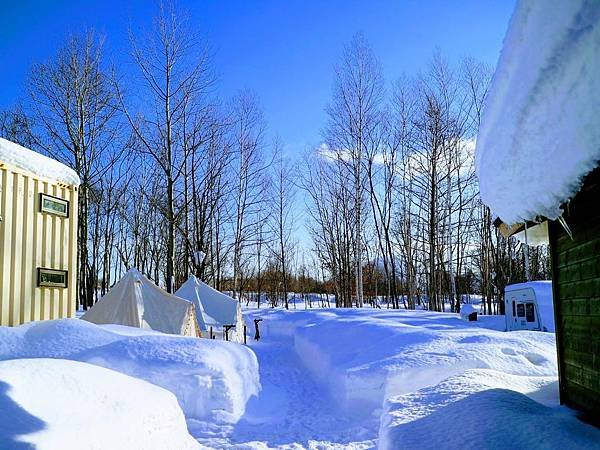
{"x":208,"y":377}
{"x":59,"y":404}
{"x":540,"y":132}
{"x":36,"y":163}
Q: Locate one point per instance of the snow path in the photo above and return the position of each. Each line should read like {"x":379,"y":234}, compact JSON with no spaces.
{"x":291,"y":412}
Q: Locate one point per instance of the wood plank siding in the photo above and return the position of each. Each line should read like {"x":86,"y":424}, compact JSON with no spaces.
{"x":576,"y":284}
{"x":30,"y":239}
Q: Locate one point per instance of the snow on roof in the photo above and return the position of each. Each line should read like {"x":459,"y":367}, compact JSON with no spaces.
{"x":36,"y":163}
{"x":540,"y":133}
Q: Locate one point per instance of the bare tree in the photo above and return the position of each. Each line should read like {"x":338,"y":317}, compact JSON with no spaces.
{"x":249,"y":170}
{"x":283,"y":218}
{"x":74,"y":108}
{"x":175,"y":73}
{"x":353,"y":117}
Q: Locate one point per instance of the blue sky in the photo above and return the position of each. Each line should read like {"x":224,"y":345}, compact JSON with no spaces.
{"x":282,"y":50}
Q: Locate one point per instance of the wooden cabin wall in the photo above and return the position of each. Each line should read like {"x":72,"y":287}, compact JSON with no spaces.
{"x":30,"y":239}
{"x":576,"y":284}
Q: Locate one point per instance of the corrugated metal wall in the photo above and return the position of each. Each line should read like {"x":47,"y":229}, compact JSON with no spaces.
{"x":30,"y":239}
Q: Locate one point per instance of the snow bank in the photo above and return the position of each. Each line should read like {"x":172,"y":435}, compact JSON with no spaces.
{"x":539,"y":134}
{"x":365,"y":356}
{"x":36,"y":163}
{"x":209,"y":378}
{"x":484,"y":409}
{"x":58,"y":404}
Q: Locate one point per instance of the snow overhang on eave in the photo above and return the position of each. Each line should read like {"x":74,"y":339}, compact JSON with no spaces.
{"x":540,"y":134}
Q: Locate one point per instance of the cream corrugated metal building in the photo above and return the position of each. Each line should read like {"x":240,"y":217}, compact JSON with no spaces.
{"x":38,"y":236}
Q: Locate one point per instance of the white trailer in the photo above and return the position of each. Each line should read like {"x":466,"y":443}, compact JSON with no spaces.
{"x":529,"y":306}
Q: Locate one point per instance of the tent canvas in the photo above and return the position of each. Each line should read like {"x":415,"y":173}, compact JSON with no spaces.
{"x":213,"y":308}
{"x":136,"y":301}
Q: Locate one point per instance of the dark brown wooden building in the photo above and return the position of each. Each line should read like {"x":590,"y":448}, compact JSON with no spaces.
{"x":538,"y":158}
{"x":575,"y":251}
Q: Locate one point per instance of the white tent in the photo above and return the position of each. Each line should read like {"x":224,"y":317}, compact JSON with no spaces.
{"x":213,"y":308}
{"x":137,"y":302}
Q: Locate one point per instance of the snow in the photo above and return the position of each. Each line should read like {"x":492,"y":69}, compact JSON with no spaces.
{"x":484,"y":409}
{"x":331,"y":379}
{"x":539,"y":134}
{"x":211,"y":379}
{"x":466,"y":310}
{"x":364,"y":356}
{"x":51,"y":402}
{"x":36,"y":163}
{"x":365,"y":366}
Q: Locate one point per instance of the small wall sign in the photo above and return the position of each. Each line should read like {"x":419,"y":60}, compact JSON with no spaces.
{"x":52,"y":277}
{"x":54,"y":205}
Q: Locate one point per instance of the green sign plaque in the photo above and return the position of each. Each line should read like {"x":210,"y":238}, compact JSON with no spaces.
{"x":54,"y":205}
{"x":51,"y":277}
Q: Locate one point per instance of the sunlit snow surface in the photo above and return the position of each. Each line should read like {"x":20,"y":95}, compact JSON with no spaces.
{"x":366,"y":378}
{"x":318,"y":379}
{"x":60,"y":404}
{"x":539,"y":134}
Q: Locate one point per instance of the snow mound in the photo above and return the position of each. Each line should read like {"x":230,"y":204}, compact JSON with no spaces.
{"x":36,"y":163}
{"x":486,"y":409}
{"x":539,"y":134}
{"x":58,"y":404}
{"x":466,"y":310}
{"x":209,"y":378}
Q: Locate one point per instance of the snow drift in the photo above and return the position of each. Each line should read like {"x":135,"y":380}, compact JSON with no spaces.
{"x":365,"y":356}
{"x":539,"y":134}
{"x":58,"y":404}
{"x":209,"y":378}
{"x":485,"y":409}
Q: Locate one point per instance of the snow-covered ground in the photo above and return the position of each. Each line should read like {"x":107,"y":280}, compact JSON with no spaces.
{"x":329,"y":379}
{"x":60,"y":404}
{"x":405,"y":379}
{"x":207,"y":379}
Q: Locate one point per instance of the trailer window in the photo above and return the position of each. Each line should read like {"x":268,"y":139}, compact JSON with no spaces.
{"x":514,"y":311}
{"x":530,"y":312}
{"x":520,"y":310}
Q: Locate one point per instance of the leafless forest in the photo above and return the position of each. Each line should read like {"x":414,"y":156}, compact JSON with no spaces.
{"x":178,"y":180}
